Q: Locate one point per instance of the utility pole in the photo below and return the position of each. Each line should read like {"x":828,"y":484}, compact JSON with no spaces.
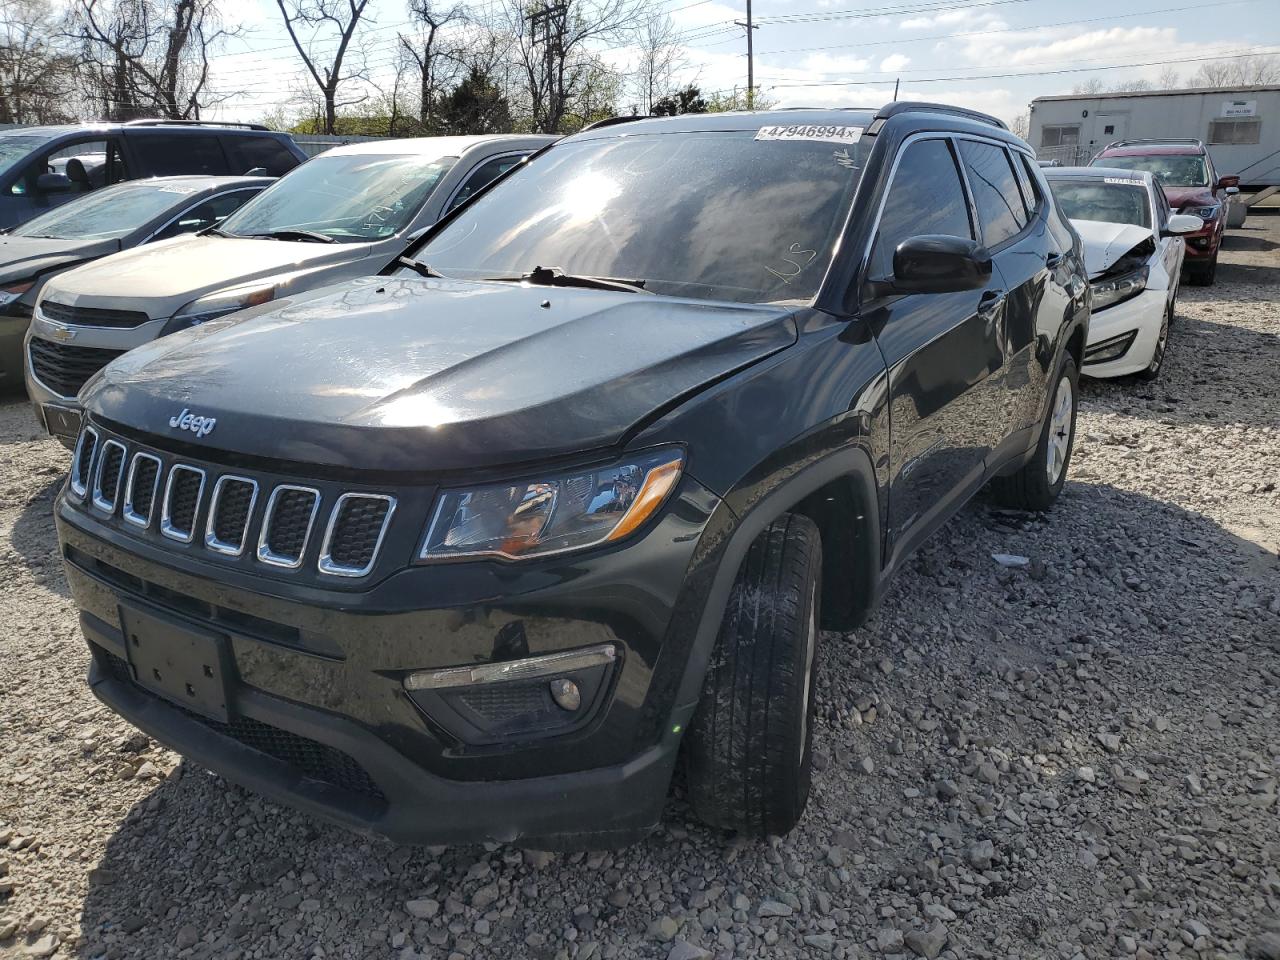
{"x":547,"y":27}
{"x":751,"y":71}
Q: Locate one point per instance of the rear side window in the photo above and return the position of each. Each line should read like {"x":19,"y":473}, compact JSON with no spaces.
{"x":260,"y":153}
{"x":164,"y":155}
{"x":1027,"y":181}
{"x":485,"y":173}
{"x":995,"y":191}
{"x":209,"y":213}
{"x":925,"y":197}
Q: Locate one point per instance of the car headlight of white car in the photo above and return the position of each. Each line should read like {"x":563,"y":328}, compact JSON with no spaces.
{"x":215,"y":305}
{"x":1108,"y":291}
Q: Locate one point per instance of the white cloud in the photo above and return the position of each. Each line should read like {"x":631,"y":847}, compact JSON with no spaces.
{"x":895,"y":61}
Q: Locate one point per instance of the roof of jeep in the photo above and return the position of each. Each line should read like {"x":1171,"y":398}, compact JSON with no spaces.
{"x":1155,"y":150}
{"x":741,"y":120}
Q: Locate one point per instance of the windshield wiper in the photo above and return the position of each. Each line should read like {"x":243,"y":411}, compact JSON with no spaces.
{"x":555,"y":277}
{"x":420,"y":268}
{"x":310,"y":235}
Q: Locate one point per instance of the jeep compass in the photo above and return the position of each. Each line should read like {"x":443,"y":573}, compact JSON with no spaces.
{"x":481,"y":547}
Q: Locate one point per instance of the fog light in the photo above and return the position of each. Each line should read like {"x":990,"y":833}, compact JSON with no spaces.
{"x":566,"y":694}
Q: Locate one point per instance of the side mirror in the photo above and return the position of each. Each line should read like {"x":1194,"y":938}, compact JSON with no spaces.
{"x":1180,"y":223}
{"x":53,"y":183}
{"x":937,"y":264}
{"x":1227,"y":183}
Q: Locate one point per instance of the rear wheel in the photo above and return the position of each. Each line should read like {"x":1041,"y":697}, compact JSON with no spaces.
{"x":1037,"y":484}
{"x":747,"y":752}
{"x":1152,"y":371}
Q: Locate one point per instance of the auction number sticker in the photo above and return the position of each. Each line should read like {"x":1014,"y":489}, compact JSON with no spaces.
{"x":1123,"y":182}
{"x":808,"y":131}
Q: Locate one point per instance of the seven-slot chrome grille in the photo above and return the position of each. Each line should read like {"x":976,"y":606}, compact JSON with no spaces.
{"x":222,"y":511}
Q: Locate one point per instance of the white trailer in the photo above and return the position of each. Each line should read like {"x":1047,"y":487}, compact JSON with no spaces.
{"x":1239,"y":125}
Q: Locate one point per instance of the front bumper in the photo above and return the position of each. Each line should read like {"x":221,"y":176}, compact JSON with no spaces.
{"x":1141,"y":316}
{"x":1203,"y":244}
{"x":319,"y":715}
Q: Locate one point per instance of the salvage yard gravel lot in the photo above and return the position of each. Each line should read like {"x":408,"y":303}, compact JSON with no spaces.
{"x":1075,"y":757}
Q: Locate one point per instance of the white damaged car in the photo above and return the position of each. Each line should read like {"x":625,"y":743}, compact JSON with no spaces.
{"x":1133,"y":250}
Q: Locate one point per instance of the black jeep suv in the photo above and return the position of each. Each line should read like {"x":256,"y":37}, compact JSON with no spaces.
{"x":478,"y":547}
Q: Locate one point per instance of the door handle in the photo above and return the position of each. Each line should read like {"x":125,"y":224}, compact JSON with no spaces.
{"x":1053,"y":259}
{"x":989,"y":306}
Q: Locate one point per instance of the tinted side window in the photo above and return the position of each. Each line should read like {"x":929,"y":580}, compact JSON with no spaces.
{"x":995,"y":191}
{"x":267,"y":153}
{"x":207,"y":214}
{"x":486,"y":172}
{"x":925,"y":197}
{"x":1162,"y":208}
{"x":1030,"y":196}
{"x":87,"y":165}
{"x":163,"y":155}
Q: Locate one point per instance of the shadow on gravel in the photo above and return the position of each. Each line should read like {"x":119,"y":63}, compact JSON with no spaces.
{"x":204,"y":865}
{"x":1236,"y":240}
{"x":35,"y":540}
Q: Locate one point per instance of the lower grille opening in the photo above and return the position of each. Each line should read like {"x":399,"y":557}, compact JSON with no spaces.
{"x":316,"y":761}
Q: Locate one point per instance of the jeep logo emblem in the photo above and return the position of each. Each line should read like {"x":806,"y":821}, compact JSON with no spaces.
{"x":200,"y":426}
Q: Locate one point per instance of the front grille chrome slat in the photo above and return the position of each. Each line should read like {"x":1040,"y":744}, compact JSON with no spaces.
{"x":86,"y":447}
{"x":182,"y":493}
{"x":140,"y":489}
{"x":108,"y":476}
{"x":357,"y":526}
{"x":286,"y":525}
{"x":230,"y":510}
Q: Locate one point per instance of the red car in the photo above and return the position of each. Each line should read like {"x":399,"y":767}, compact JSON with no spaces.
{"x":1185,"y":170}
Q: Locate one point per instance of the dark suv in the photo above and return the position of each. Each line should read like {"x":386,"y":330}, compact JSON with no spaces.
{"x":1190,"y":181}
{"x":568,"y":493}
{"x":42,"y":167}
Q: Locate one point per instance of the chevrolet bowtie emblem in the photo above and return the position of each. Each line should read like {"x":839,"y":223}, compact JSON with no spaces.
{"x":61,"y":334}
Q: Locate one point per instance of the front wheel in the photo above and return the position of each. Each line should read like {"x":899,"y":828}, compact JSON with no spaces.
{"x":1152,"y":370}
{"x":1202,"y":274}
{"x":747,"y":752}
{"x":1036,"y":485}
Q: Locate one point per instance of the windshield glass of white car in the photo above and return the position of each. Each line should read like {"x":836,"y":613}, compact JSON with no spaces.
{"x":104,"y":214}
{"x":1106,"y":202}
{"x":351,"y":198}
{"x":1172,"y":171}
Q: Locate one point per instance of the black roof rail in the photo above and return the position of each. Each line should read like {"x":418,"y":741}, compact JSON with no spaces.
{"x":613,"y":121}
{"x":921,"y":106}
{"x":161,"y":122}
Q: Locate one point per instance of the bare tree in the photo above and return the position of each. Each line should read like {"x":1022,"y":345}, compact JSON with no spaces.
{"x":1169,"y":79}
{"x":1255,"y":70}
{"x":661,"y":58}
{"x":1215,"y":73}
{"x":1021,"y":125}
{"x":146,"y":57}
{"x":1093,"y":85}
{"x":35,"y":74}
{"x":551,"y":46}
{"x":326,"y":21}
{"x":436,"y":57}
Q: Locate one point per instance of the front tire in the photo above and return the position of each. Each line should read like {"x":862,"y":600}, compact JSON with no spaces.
{"x":1036,"y":485}
{"x":747,"y":752}
{"x":1152,"y":371}
{"x":1202,"y":274}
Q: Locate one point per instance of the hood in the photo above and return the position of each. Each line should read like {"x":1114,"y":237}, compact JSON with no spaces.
{"x":22,"y":257}
{"x":1179,"y":197}
{"x":163,"y":277}
{"x":413,"y":375}
{"x":1105,"y":243}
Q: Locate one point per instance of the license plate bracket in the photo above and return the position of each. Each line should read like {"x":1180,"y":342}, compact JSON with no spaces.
{"x":61,"y":421}
{"x":182,"y":663}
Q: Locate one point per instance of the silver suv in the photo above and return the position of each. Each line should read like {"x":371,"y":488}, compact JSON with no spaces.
{"x":345,"y":214}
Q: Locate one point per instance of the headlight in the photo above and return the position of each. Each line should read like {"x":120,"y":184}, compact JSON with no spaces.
{"x":571,"y":511}
{"x":1204,"y":213}
{"x":10,"y":293}
{"x":215,"y":305}
{"x":1110,"y":291}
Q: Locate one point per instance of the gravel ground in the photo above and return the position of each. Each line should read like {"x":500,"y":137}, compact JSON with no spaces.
{"x":1078,"y":758}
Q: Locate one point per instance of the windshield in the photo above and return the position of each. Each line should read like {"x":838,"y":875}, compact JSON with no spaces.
{"x":350,"y":198}
{"x":15,"y":149}
{"x":105,"y":214}
{"x":1172,"y":171}
{"x":710,"y":215}
{"x":1107,"y":202}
